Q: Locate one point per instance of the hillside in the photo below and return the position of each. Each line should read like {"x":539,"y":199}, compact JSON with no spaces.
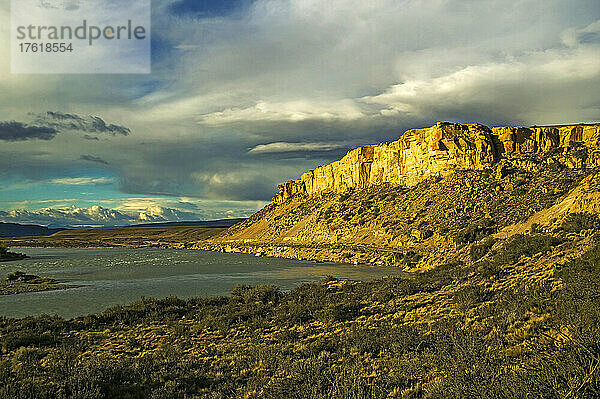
{"x":203,"y":223}
{"x":25,"y":230}
{"x":129,"y":237}
{"x":426,"y":198}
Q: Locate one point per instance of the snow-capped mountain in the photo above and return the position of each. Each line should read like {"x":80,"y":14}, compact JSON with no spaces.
{"x":95,"y":216}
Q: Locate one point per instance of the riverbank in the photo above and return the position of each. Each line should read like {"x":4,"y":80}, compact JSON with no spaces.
{"x":10,"y":257}
{"x":121,"y":276}
{"x":187,"y":238}
{"x":346,"y":254}
{"x":20,"y":283}
{"x":126,"y":237}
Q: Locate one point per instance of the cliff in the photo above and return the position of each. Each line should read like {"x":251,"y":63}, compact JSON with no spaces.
{"x":430,"y":197}
{"x":438,"y":151}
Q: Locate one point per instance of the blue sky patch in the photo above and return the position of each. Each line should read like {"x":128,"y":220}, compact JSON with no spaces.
{"x":208,"y":8}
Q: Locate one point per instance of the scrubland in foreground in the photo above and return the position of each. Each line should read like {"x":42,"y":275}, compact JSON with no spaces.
{"x":504,"y":326}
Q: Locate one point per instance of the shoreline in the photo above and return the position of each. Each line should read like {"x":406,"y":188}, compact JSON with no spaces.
{"x":18,"y":282}
{"x":320,"y":253}
{"x":14,"y":258}
{"x":7,"y":289}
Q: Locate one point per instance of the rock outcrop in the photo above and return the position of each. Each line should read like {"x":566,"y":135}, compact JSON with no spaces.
{"x":438,"y":151}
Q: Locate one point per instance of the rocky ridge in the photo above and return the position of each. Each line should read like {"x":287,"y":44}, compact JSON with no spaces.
{"x":428,"y":198}
{"x":438,"y":151}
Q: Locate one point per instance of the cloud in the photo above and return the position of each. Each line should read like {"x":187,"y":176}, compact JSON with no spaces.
{"x":95,"y":159}
{"x":533,"y":88}
{"x":204,"y":209}
{"x":590,"y":34}
{"x":82,"y":181}
{"x":46,"y":126}
{"x":89,"y":124}
{"x":16,"y":131}
{"x":293,"y":147}
{"x":292,"y":111}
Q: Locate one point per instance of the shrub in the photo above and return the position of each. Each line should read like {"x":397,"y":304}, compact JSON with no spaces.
{"x":340,"y":312}
{"x":583,"y":275}
{"x":523,"y":245}
{"x":476,"y":231}
{"x":479,"y":250}
{"x":470,"y":296}
{"x":19,"y":339}
{"x":490,"y":269}
{"x":441,"y":276}
{"x":576,"y":222}
{"x":261,"y":293}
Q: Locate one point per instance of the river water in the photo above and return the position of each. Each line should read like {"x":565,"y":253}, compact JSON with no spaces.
{"x":111,"y":277}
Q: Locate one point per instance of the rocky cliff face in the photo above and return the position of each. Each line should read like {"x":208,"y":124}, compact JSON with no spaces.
{"x":440,"y":150}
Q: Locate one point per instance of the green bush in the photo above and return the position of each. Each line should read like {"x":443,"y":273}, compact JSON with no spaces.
{"x":261,"y":293}
{"x":582,"y":275}
{"x":470,"y":296}
{"x":19,"y":339}
{"x":576,"y":222}
{"x":340,"y":312}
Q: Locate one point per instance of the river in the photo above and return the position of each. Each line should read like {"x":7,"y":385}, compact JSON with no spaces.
{"x":110,"y":277}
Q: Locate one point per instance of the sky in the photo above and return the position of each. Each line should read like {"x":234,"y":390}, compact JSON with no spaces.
{"x":246,"y":94}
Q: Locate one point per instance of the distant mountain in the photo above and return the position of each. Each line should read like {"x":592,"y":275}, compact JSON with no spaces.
{"x":95,"y":217}
{"x":32,"y":230}
{"x":206,"y":223}
{"x":25,"y":230}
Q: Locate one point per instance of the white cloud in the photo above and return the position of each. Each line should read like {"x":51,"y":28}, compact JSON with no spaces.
{"x":544,"y":86}
{"x":94,"y":216}
{"x":291,"y":147}
{"x":82,"y":181}
{"x":126,"y":214}
{"x":219,"y":179}
{"x":572,"y":37}
{"x":291,"y":111}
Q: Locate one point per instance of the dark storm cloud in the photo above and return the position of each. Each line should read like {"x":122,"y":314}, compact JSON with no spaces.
{"x":589,"y":37}
{"x":47,"y":126}
{"x":91,"y":158}
{"x":17,"y":131}
{"x":89,"y":124}
{"x":216,"y":167}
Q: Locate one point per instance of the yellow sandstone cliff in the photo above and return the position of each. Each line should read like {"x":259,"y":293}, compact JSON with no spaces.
{"x":438,"y":151}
